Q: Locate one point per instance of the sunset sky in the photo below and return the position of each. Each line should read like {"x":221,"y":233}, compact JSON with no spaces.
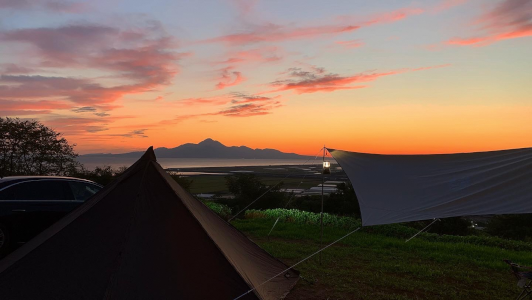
{"x":389,"y":76}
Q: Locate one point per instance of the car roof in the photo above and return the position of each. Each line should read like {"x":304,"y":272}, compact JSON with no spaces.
{"x":6,"y":181}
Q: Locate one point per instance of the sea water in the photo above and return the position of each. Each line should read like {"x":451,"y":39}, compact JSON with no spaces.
{"x":115,"y":162}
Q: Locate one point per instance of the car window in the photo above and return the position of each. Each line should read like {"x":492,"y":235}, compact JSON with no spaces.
{"x":38,"y":190}
{"x":6,"y":194}
{"x":83,"y":191}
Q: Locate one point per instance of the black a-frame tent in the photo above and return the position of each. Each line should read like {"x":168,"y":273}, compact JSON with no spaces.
{"x":142,"y":237}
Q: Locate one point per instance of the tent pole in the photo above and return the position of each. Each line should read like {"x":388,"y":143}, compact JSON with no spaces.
{"x":321,"y":215}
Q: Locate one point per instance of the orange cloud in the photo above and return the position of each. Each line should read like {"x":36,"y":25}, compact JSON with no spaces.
{"x":249,"y":109}
{"x":17,"y":113}
{"x":15,"y":105}
{"x":219,"y":100}
{"x":242,"y":105}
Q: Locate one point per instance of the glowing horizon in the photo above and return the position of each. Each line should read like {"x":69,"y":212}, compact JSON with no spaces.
{"x":440,"y":76}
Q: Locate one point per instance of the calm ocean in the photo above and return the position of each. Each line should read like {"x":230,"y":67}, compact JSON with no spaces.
{"x":116,"y":162}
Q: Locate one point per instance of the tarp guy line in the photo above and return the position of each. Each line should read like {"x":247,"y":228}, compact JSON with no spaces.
{"x":319,"y":251}
{"x":266,"y":191}
{"x":291,"y":197}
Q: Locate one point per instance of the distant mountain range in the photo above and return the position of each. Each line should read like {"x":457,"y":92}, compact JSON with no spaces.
{"x":208,"y":148}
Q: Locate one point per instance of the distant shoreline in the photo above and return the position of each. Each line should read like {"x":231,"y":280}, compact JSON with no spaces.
{"x":195,"y":163}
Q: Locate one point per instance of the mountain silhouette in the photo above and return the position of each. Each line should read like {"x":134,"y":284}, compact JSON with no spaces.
{"x":209,"y":148}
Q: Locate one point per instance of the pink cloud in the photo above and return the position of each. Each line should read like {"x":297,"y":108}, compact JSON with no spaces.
{"x":245,"y":7}
{"x":143,"y":59}
{"x":465,"y":42}
{"x":257,"y":55}
{"x":274,"y":33}
{"x":350,"y":44}
{"x":303,"y":82}
{"x":509,"y":19}
{"x":234,"y":98}
{"x":269,"y":32}
{"x":382,"y":18}
{"x":80,"y":126}
{"x":50,"y":5}
{"x":317,"y":80}
{"x":59,"y":46}
{"x":447,"y":4}
{"x":229,"y":78}
{"x":15,"y":69}
{"x":241,"y":105}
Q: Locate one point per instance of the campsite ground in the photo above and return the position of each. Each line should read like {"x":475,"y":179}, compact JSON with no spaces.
{"x":372,"y":266}
{"x":368,"y":264}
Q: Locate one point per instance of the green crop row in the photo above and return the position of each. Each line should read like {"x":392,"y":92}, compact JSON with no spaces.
{"x":392,"y":230}
{"x":303,"y":217}
{"x":221,"y":209}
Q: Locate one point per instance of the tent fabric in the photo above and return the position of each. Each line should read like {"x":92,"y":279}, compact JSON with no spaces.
{"x":142,"y":237}
{"x":402,"y":188}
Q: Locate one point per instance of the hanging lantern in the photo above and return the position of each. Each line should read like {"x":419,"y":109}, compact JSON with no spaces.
{"x":326,"y":167}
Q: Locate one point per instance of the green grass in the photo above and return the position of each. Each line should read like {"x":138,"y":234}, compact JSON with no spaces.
{"x":207,"y":184}
{"x":374,"y":265}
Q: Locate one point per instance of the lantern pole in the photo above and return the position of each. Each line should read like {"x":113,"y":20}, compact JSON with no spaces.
{"x":322,"y":183}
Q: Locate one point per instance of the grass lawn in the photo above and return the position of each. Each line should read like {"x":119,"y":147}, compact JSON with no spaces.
{"x":372,"y":266}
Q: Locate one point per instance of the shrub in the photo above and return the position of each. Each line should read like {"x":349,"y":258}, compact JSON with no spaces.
{"x":222,"y":210}
{"x":247,"y":188}
{"x":515,"y":227}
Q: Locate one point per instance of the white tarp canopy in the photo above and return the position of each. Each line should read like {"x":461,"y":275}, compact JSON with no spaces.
{"x":402,"y":188}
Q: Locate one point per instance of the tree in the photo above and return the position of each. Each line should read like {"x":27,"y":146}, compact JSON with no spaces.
{"x":102,"y":175}
{"x":247,"y":188}
{"x":27,"y":147}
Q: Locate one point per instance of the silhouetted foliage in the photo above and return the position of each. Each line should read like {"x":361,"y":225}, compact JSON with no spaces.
{"x":247,"y":187}
{"x":30,"y":148}
{"x":184,"y":182}
{"x":343,"y":202}
{"x":101,"y":175}
{"x":516,"y":227}
{"x":451,"y":226}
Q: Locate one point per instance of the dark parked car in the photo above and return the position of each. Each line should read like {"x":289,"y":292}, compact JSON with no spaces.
{"x":30,"y":204}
